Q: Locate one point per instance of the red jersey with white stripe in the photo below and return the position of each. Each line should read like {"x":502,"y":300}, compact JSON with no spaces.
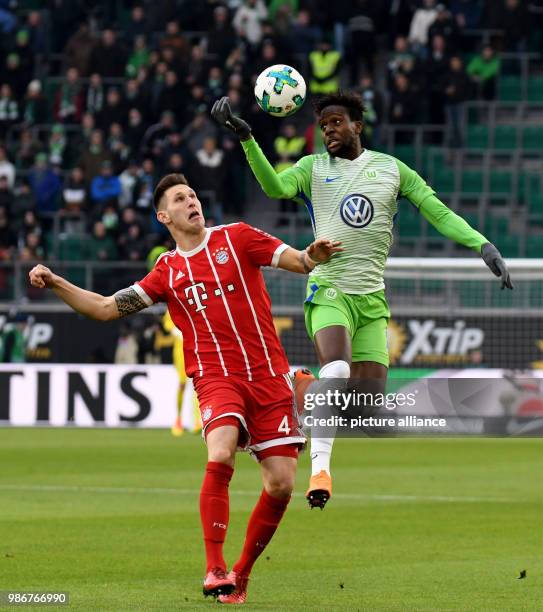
{"x":217,"y":297}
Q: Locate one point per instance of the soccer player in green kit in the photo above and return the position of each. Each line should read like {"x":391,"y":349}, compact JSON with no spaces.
{"x":351,"y":195}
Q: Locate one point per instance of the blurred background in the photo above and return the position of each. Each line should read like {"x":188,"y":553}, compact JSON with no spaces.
{"x":98,"y":99}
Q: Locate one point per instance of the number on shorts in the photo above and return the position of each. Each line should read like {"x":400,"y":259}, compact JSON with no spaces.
{"x":283,"y":426}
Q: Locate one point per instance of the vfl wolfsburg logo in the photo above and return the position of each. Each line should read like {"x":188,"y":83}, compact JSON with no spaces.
{"x":356,"y":210}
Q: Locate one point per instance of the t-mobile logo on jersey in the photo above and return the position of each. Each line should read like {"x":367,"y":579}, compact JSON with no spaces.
{"x":197,"y":294}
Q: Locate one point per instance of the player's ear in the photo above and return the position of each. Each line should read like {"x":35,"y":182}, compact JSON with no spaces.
{"x":163,"y":216}
{"x":358,"y":127}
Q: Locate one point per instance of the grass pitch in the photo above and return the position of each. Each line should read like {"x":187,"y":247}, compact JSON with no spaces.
{"x":111,"y":516}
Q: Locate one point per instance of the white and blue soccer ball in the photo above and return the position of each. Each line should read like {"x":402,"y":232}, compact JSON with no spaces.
{"x":280,"y":90}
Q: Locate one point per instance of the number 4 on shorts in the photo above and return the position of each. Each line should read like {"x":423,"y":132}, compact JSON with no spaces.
{"x":283,"y":426}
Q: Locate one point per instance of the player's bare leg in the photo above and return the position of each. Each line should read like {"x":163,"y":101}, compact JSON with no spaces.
{"x":214,"y":505}
{"x":333,"y":346}
{"x":278,"y":477}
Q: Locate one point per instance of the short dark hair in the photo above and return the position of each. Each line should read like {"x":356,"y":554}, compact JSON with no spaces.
{"x":170,"y":180}
{"x":350,"y":100}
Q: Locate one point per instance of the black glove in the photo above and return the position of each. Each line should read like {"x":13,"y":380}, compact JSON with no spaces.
{"x":493,"y":259}
{"x":222,"y":113}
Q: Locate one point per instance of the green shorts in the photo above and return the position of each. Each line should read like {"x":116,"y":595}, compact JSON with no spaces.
{"x":365,"y":316}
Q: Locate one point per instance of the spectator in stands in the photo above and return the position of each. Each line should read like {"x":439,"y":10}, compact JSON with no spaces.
{"x":129,"y":217}
{"x":210,"y":172}
{"x":362,"y":29}
{"x":466,"y":12}
{"x":106,"y":187}
{"x":325,"y":68}
{"x":174,"y":39}
{"x":74,"y":193}
{"x":8,"y":21}
{"x":108,"y":57}
{"x":25,"y":55}
{"x":457,"y":91}
{"x":483,"y":70}
{"x":145,"y":185}
{"x":134,"y":248}
{"x":94,"y":100}
{"x":33,"y":247}
{"x":38,"y":33}
{"x":14,"y":76}
{"x":8,"y":237}
{"x":101,"y":246}
{"x":57,"y":145}
{"x":29,"y":224}
{"x":404,"y":104}
{"x":117,"y":146}
{"x":139,"y":58}
{"x":373,"y":113}
{"x":197,"y":67}
{"x":69,"y":98}
{"x":137,"y":26}
{"x":444,"y":25}
{"x":172,"y":97}
{"x":221,"y":36}
{"x":35,"y":109}
{"x":46,"y":186}
{"x":423,"y":18}
{"x":248,"y":21}
{"x":215,"y":83}
{"x":513,"y":18}
{"x":27,"y":149}
{"x":155,"y":137}
{"x":94,"y":156}
{"x":135,"y":131}
{"x":9,"y":109}
{"x":288,"y":148}
{"x":436,"y":66}
{"x":114,"y":110}
{"x":303,"y":35}
{"x":7,"y":169}
{"x":78,"y":50}
{"x":200,"y":128}
{"x":23,"y":203}
{"x":136,"y":97}
{"x":6,"y":195}
{"x":128,"y":179}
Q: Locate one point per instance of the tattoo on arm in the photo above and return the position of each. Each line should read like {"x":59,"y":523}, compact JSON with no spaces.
{"x":128,"y":302}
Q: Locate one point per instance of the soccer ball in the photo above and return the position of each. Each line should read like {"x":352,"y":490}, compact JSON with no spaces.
{"x":280,"y":90}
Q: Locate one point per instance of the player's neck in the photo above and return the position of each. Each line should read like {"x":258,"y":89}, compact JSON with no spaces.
{"x":353,"y":153}
{"x":188,"y":241}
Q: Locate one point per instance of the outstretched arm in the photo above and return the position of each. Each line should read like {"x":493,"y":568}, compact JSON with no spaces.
{"x":303,"y":262}
{"x":90,"y":304}
{"x":283,"y":185}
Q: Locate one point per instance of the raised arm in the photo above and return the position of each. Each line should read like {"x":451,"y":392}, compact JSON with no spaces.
{"x":90,"y":304}
{"x":283,"y":185}
{"x":304,"y":261}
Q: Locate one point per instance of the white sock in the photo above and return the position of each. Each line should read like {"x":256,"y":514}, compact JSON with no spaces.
{"x":321,"y":448}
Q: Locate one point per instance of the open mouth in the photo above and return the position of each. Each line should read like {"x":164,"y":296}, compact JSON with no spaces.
{"x":333,"y":143}
{"x":193,"y":215}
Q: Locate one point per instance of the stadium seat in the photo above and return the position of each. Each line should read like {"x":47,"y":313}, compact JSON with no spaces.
{"x":443,"y":180}
{"x":472,"y":181}
{"x":477,"y":137}
{"x":509,"y":89}
{"x":532,"y":138}
{"x":501,"y":181}
{"x":407,"y":154}
{"x":535,"y":89}
{"x":534,"y":248}
{"x":505,"y":137}
{"x":508,"y":244}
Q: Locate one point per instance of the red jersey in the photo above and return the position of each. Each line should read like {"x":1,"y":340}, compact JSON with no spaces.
{"x":217,"y":297}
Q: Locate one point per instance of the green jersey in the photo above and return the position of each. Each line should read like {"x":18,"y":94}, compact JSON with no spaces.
{"x":356,"y":202}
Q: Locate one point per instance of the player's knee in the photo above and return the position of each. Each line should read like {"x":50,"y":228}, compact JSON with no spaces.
{"x":335,"y":369}
{"x":280,"y":486}
{"x":222,"y":454}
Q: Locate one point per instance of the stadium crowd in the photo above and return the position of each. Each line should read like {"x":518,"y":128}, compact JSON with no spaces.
{"x":98,"y":99}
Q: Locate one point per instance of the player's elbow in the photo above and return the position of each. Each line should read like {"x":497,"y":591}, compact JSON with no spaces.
{"x":106,"y":310}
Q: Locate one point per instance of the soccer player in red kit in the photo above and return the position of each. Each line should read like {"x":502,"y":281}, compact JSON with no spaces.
{"x":216,"y":295}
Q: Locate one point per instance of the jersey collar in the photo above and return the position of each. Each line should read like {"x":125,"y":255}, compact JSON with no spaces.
{"x":197,"y":249}
{"x":353,"y":161}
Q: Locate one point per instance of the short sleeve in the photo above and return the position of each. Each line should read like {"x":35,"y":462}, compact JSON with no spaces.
{"x":262,"y":248}
{"x":151,"y":287}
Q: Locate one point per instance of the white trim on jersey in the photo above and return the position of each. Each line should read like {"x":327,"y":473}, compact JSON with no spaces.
{"x":277,"y":254}
{"x":217,"y":345}
{"x":141,"y":292}
{"x":247,"y":295}
{"x":220,"y":416}
{"x":230,"y":318}
{"x":277,"y":442}
{"x":189,"y":318}
{"x":198,"y":248}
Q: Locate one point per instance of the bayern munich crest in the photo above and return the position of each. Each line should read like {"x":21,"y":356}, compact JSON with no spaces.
{"x":221,"y":256}
{"x":206,"y":414}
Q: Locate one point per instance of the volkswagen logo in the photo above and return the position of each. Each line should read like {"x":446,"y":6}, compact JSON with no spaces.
{"x":356,"y":210}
